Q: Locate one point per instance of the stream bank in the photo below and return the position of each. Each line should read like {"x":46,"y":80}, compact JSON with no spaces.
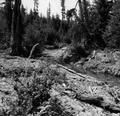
{"x":56,"y":89}
{"x":102,"y":65}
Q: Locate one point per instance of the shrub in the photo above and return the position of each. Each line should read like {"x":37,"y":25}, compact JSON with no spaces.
{"x":51,"y":36}
{"x":32,"y":36}
{"x":54,"y":108}
{"x":73,"y":54}
{"x":34,"y":91}
{"x":77,"y":34}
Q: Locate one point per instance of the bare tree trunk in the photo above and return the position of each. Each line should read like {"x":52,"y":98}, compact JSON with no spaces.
{"x":8,"y":13}
{"x":16,"y":32}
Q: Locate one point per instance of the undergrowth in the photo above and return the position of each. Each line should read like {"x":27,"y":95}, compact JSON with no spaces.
{"x":33,"y":91}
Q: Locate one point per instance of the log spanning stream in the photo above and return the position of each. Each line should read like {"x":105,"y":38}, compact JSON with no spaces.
{"x":107,"y":78}
{"x":105,"y":87}
{"x":96,"y":100}
{"x":111,"y":79}
{"x":86,"y":90}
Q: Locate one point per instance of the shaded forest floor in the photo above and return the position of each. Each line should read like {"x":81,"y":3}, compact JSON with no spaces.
{"x":42,"y":87}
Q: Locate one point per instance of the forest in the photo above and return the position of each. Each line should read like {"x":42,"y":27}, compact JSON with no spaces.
{"x":64,"y":64}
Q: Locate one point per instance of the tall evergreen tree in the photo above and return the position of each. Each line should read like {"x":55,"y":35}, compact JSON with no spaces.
{"x":85,"y":8}
{"x":83,"y":21}
{"x":112,"y":33}
{"x":36,"y":4}
{"x":103,"y":10}
{"x":63,"y":9}
{"x":80,"y":10}
{"x":49,"y":11}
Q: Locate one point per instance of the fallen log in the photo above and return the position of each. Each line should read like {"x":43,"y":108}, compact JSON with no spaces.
{"x":74,"y":72}
{"x":92,"y":100}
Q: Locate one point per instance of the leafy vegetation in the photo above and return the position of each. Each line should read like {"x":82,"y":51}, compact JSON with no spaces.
{"x":81,"y":31}
{"x":53,"y":31}
{"x":111,"y":34}
{"x":33,"y":90}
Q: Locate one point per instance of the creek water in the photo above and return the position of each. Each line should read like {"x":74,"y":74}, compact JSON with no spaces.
{"x":110,"y":79}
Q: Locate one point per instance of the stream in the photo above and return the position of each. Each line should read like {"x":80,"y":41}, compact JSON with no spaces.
{"x":110,"y":79}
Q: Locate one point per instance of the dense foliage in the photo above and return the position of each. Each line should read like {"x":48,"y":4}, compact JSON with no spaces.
{"x":94,"y":28}
{"x":4,"y":39}
{"x":112,"y":33}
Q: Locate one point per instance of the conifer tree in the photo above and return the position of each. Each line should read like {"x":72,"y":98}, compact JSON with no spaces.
{"x":83,"y":21}
{"x":49,"y":12}
{"x":112,"y":33}
{"x":80,"y":10}
{"x":63,"y":9}
{"x":103,"y":10}
{"x":36,"y":4}
{"x":85,"y":8}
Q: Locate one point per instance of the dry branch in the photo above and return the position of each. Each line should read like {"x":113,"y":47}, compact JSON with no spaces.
{"x":32,"y":50}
